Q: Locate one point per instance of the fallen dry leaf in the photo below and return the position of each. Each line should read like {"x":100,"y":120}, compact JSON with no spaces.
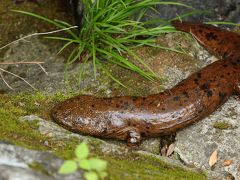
{"x":170,"y":149}
{"x":213,"y":158}
{"x":227,"y":162}
{"x":164,"y":150}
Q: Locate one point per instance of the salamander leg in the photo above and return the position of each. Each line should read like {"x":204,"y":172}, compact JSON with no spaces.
{"x":237,"y":89}
{"x":134,"y":138}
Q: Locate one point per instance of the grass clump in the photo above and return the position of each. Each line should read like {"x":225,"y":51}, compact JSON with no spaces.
{"x":110,"y":31}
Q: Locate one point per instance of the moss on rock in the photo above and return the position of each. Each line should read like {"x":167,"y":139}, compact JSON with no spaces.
{"x":221,"y":125}
{"x":24,"y":133}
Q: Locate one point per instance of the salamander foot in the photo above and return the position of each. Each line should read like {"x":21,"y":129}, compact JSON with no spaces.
{"x":134,"y":138}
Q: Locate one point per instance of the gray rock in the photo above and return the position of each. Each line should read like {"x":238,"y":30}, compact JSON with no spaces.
{"x":56,"y":132}
{"x":51,"y":129}
{"x":16,"y":161}
{"x":149,"y":147}
{"x":218,"y":10}
{"x":19,"y":173}
{"x":52,"y":76}
{"x":196,"y":143}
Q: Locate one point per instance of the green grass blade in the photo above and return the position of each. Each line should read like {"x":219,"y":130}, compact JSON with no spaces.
{"x":110,"y":75}
{"x":223,"y":23}
{"x":47,"y":20}
{"x":64,"y":47}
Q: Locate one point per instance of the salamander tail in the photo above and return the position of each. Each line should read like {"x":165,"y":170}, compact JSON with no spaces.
{"x":222,"y":43}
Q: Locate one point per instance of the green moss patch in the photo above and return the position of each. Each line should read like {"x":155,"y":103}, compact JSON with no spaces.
{"x":38,"y":167}
{"x":222,"y":125}
{"x":25,"y":133}
{"x":146,"y":167}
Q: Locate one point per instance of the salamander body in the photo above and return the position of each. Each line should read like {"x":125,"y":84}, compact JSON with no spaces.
{"x":132,"y":118}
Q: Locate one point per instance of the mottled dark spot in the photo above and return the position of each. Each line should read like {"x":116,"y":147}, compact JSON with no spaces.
{"x":225,"y":65}
{"x":228,"y":74}
{"x":185,"y":94}
{"x":134,"y":98}
{"x":200,"y":30}
{"x":151,"y":102}
{"x":211,"y":36}
{"x":168,"y":92}
{"x":222,"y":96}
{"x":143,"y":98}
{"x":204,"y":86}
{"x":109,"y":100}
{"x":173,"y":116}
{"x":117,"y":105}
{"x":222,"y":76}
{"x":222,"y":41}
{"x":93,"y":106}
{"x":199,"y":75}
{"x":134,"y":125}
{"x":125,"y":105}
{"x":176,"y":98}
{"x":196,"y":81}
{"x":225,"y":54}
{"x":143,"y":134}
{"x":104,"y":130}
{"x":209,"y":93}
{"x":163,"y":109}
{"x":179,"y":119}
{"x":147,"y":127}
{"x":234,"y":63}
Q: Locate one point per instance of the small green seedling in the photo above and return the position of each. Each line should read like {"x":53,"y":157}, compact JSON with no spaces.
{"x":95,"y":168}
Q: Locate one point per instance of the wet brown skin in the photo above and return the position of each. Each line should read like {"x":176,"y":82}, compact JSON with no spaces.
{"x":132,"y":118}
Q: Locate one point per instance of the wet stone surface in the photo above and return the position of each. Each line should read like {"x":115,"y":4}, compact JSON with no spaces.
{"x":196,"y":143}
{"x":15,"y":162}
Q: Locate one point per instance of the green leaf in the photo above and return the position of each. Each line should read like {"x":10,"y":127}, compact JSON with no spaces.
{"x":90,"y":175}
{"x":103,"y":174}
{"x":84,"y":164}
{"x":97,"y":164}
{"x":82,"y":151}
{"x":68,"y":167}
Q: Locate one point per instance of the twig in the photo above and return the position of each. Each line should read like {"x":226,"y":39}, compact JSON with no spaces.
{"x":25,"y":62}
{"x":19,"y":78}
{"x":37,"y":34}
{"x":44,"y":70}
{"x":198,"y":39}
{"x":5,"y":82}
